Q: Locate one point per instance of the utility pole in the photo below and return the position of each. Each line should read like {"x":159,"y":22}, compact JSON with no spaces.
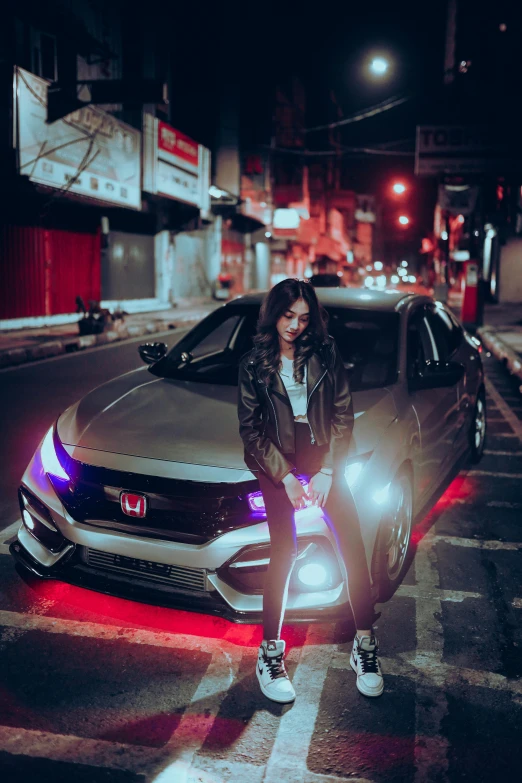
{"x":451,"y":34}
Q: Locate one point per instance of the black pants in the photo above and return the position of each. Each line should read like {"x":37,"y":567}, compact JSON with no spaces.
{"x":341,"y":515}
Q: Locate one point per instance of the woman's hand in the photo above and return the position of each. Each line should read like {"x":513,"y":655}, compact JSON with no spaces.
{"x":319,"y":489}
{"x":295,"y":491}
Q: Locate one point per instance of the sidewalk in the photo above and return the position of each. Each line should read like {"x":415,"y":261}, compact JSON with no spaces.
{"x":27,"y":345}
{"x":502,"y":335}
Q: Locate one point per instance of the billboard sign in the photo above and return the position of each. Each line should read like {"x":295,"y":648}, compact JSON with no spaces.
{"x":461,"y":149}
{"x":465,"y":149}
{"x":88,"y":153}
{"x":175,"y":166}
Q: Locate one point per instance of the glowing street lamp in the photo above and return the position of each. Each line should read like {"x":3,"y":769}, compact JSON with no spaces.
{"x":399,"y":188}
{"x":379,"y":66}
{"x":403,"y":220}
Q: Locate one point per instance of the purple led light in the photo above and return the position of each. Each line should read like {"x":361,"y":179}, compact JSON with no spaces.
{"x":256,"y":502}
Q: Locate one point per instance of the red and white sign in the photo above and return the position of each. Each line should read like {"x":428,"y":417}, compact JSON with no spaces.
{"x":133,"y":505}
{"x":182,"y":149}
{"x":174,"y":165}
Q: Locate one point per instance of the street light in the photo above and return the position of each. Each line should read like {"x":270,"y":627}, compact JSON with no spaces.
{"x":379,"y":66}
{"x":399,"y":188}
{"x":403,"y":220}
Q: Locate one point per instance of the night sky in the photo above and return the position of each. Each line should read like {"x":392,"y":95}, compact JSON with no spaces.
{"x":328,"y":45}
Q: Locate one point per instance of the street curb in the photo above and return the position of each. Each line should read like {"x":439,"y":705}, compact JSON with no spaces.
{"x":502,"y":351}
{"x":56,"y":347}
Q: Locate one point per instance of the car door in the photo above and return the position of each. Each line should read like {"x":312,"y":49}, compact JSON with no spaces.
{"x":435,"y":409}
{"x":449,"y":338}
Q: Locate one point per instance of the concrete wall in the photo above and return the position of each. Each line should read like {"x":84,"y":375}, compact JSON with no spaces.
{"x":510,"y":287}
{"x":196,"y":260}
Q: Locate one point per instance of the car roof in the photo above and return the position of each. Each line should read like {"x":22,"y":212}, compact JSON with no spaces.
{"x":387,"y":301}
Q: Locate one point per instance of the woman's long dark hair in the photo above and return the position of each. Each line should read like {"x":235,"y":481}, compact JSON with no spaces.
{"x":267,"y":355}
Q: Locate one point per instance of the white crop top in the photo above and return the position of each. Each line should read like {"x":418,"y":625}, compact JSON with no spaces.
{"x":296,"y":391}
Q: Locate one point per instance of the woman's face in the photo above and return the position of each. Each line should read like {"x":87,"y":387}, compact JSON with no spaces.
{"x":294,"y":321}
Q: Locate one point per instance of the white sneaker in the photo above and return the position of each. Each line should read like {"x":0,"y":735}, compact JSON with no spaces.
{"x":271,"y":672}
{"x":365,"y":663}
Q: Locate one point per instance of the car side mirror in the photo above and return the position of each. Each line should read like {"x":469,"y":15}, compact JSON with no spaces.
{"x":152,"y":352}
{"x":437,"y":375}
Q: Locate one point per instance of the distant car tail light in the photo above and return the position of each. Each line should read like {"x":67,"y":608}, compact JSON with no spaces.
{"x":50,"y":461}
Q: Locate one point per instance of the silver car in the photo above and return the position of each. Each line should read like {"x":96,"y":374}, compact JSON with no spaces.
{"x":140,"y":489}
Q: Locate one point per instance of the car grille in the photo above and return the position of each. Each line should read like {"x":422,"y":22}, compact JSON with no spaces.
{"x":180,"y":577}
{"x":183,"y":511}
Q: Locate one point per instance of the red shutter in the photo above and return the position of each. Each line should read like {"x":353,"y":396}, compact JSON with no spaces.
{"x":43,"y":270}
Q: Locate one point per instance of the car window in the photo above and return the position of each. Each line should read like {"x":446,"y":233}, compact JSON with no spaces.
{"x":447,"y":331}
{"x":368,"y":343}
{"x":218,"y":339}
{"x":420,"y":343}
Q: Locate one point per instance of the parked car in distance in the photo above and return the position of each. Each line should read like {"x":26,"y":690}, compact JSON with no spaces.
{"x":140,"y":488}
{"x":324,"y":280}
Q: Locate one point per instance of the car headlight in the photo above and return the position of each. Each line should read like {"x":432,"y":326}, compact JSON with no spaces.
{"x":50,"y":461}
{"x":354,"y":469}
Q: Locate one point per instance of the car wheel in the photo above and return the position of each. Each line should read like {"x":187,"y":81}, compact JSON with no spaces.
{"x":392,"y":548}
{"x":477,"y":430}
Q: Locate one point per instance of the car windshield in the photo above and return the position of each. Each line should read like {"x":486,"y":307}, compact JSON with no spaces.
{"x":210,"y":353}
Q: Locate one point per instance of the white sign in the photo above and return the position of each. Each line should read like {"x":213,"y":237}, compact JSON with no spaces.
{"x":174,"y":165}
{"x":286,"y":218}
{"x":456,"y":149}
{"x":89,"y":152}
{"x":173,"y":181}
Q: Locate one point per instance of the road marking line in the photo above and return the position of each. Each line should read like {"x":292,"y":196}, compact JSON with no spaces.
{"x":79,"y":750}
{"x":199,"y":716}
{"x":292,"y":743}
{"x":513,"y":421}
{"x":121,"y":633}
{"x":496,"y":453}
{"x":431,"y":747}
{"x":517,"y":603}
{"x":4,"y":549}
{"x":9,"y":532}
{"x":474,"y":543}
{"x":493,"y":474}
{"x":503,"y":504}
{"x":420,"y":594}
{"x":428,"y":670}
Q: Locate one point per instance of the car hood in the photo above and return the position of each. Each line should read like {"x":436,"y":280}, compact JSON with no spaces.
{"x":186,"y":422}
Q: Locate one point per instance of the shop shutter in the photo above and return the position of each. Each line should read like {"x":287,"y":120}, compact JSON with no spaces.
{"x":43,"y":270}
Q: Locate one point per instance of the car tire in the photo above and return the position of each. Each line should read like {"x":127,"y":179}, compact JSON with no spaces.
{"x":391,"y":557}
{"x":477,"y":430}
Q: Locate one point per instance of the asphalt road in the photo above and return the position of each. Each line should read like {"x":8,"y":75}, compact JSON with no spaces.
{"x":102,"y":689}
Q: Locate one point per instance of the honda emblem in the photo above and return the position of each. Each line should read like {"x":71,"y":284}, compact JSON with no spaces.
{"x":133,"y":505}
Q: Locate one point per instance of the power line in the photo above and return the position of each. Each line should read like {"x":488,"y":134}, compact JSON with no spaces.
{"x":372,"y":111}
{"x":341,"y":151}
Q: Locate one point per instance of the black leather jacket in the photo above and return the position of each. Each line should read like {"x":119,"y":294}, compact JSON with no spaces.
{"x":266,"y":419}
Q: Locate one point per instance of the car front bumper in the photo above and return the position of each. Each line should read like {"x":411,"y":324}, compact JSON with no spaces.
{"x":166,"y":572}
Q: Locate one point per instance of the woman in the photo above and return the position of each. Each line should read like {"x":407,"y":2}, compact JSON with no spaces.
{"x":296,"y":417}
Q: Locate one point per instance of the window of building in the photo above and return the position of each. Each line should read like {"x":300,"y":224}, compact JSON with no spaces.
{"x":44,"y":55}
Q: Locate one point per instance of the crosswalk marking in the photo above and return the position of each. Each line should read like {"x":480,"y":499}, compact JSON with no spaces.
{"x":494,"y":474}
{"x":288,"y":758}
{"x":507,"y":413}
{"x":475,"y":543}
{"x":431,"y":747}
{"x":498,"y":453}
